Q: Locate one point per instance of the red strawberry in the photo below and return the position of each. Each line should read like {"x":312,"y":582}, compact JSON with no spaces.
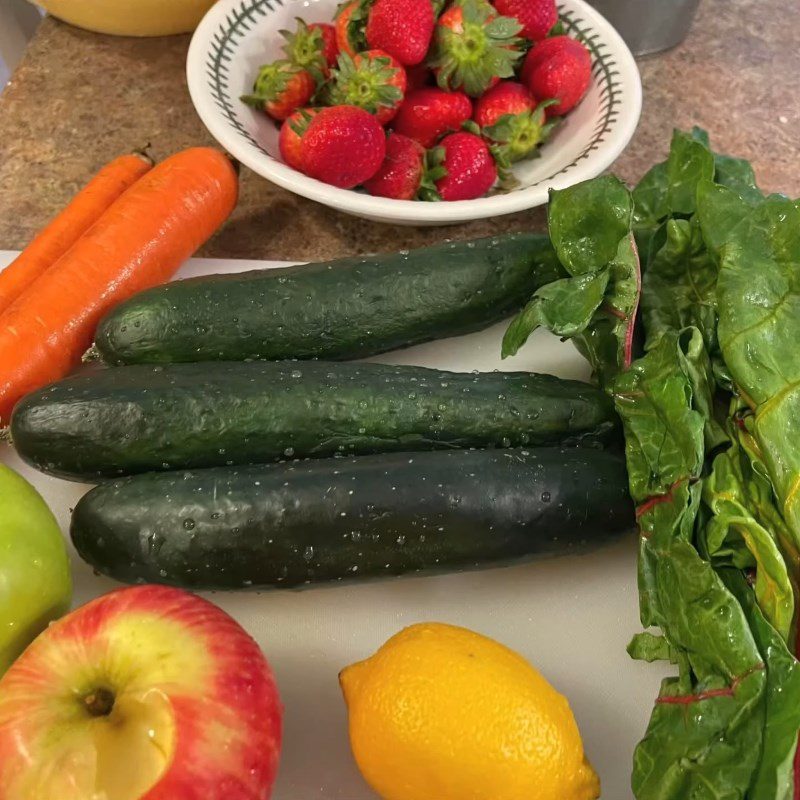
{"x":473,"y":46}
{"x":537,"y":17}
{"x":343,"y":146}
{"x":372,"y":80}
{"x":471,"y":170}
{"x":427,"y":114}
{"x":402,"y":172}
{"x":418,"y":77}
{"x":559,"y":68}
{"x":510,"y":118}
{"x":290,"y":140}
{"x":403,"y":28}
{"x":280,"y":89}
{"x":313,"y":47}
{"x":350,"y":22}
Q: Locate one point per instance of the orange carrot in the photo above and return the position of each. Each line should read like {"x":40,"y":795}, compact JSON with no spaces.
{"x":140,"y":241}
{"x":83,"y":211}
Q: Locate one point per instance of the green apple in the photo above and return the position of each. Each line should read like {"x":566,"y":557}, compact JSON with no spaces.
{"x":35,"y":581}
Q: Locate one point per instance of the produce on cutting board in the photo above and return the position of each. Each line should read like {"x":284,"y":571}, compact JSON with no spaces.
{"x":390,"y":53}
{"x":35,"y":579}
{"x":147,"y":692}
{"x":140,"y":240}
{"x":325,"y":520}
{"x":709,"y":410}
{"x":347,"y":308}
{"x":135,"y":419}
{"x":65,"y":230}
{"x":442,"y":712}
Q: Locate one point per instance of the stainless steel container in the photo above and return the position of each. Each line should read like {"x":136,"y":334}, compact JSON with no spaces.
{"x":649,"y":26}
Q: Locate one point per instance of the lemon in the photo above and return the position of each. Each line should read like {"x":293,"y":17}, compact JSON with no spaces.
{"x":130,"y":17}
{"x":443,"y":713}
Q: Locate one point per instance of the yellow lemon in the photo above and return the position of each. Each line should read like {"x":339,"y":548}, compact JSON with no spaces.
{"x":130,"y":17}
{"x":443,"y":713}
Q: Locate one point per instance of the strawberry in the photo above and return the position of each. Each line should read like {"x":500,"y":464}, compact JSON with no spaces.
{"x":537,"y":17}
{"x":470,"y":168}
{"x":403,"y":28}
{"x":559,"y":68}
{"x":280,"y":89}
{"x":342,"y":145}
{"x":402,"y":173}
{"x":372,"y":80}
{"x":350,"y":22}
{"x":290,"y":140}
{"x":312,"y":47}
{"x":472,"y":46}
{"x":428,"y":114}
{"x":510,"y":118}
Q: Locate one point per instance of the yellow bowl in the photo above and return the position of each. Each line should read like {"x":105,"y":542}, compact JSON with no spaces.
{"x":130,"y":17}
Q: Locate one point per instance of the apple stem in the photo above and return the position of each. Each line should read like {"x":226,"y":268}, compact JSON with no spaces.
{"x":100,"y":702}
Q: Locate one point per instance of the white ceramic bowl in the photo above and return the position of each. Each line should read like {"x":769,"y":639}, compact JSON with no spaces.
{"x":237,"y":36}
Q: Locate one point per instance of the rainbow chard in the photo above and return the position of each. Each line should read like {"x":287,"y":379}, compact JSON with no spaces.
{"x":710,"y":406}
{"x":590,"y":226}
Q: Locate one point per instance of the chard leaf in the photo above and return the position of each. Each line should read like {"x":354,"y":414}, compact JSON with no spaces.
{"x":664,"y":429}
{"x":774,"y":779}
{"x":729,"y":492}
{"x":565,"y":307}
{"x":649,"y":647}
{"x":690,"y":162}
{"x":650,"y":197}
{"x":590,"y":226}
{"x":737,"y":174}
{"x":587,"y":222}
{"x":679,"y":285}
{"x":719,"y":211}
{"x":669,"y":188}
{"x":704,"y":734}
{"x":607,"y":342}
{"x":759,"y":328}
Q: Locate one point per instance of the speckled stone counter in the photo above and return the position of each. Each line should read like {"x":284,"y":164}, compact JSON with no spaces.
{"x":78,"y":99}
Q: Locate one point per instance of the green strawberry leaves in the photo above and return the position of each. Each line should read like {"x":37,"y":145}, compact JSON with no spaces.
{"x":434,"y":170}
{"x":271,"y":82}
{"x":518,"y":136}
{"x":482,"y":47}
{"x":366,"y":84}
{"x":305,"y":47}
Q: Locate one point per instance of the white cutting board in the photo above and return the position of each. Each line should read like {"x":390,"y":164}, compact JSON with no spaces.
{"x":572,"y":617}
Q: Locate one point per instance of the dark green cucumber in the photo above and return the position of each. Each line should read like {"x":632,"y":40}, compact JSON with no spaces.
{"x":349,"y":308}
{"x":141,"y":418}
{"x":325,"y":520}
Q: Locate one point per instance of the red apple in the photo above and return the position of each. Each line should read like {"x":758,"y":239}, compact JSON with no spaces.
{"x":147,"y":693}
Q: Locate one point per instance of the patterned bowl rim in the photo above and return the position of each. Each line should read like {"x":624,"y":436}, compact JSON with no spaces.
{"x":225,"y":26}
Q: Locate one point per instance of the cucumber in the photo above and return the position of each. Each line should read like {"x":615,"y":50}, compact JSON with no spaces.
{"x":349,"y":308}
{"x":327,"y":520}
{"x":141,"y":418}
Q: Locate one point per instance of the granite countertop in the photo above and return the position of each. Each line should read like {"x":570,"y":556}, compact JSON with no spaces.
{"x":79,"y":99}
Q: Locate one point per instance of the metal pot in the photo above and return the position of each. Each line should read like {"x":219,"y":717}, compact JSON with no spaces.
{"x":649,"y":26}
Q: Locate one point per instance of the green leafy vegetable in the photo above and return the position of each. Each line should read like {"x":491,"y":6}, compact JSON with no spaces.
{"x":711,"y":415}
{"x":590,"y":226}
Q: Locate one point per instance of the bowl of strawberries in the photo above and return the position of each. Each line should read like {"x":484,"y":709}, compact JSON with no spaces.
{"x":416,"y":112}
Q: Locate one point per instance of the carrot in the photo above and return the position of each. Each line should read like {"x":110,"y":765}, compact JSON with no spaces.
{"x":83,"y":211}
{"x":140,"y":241}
